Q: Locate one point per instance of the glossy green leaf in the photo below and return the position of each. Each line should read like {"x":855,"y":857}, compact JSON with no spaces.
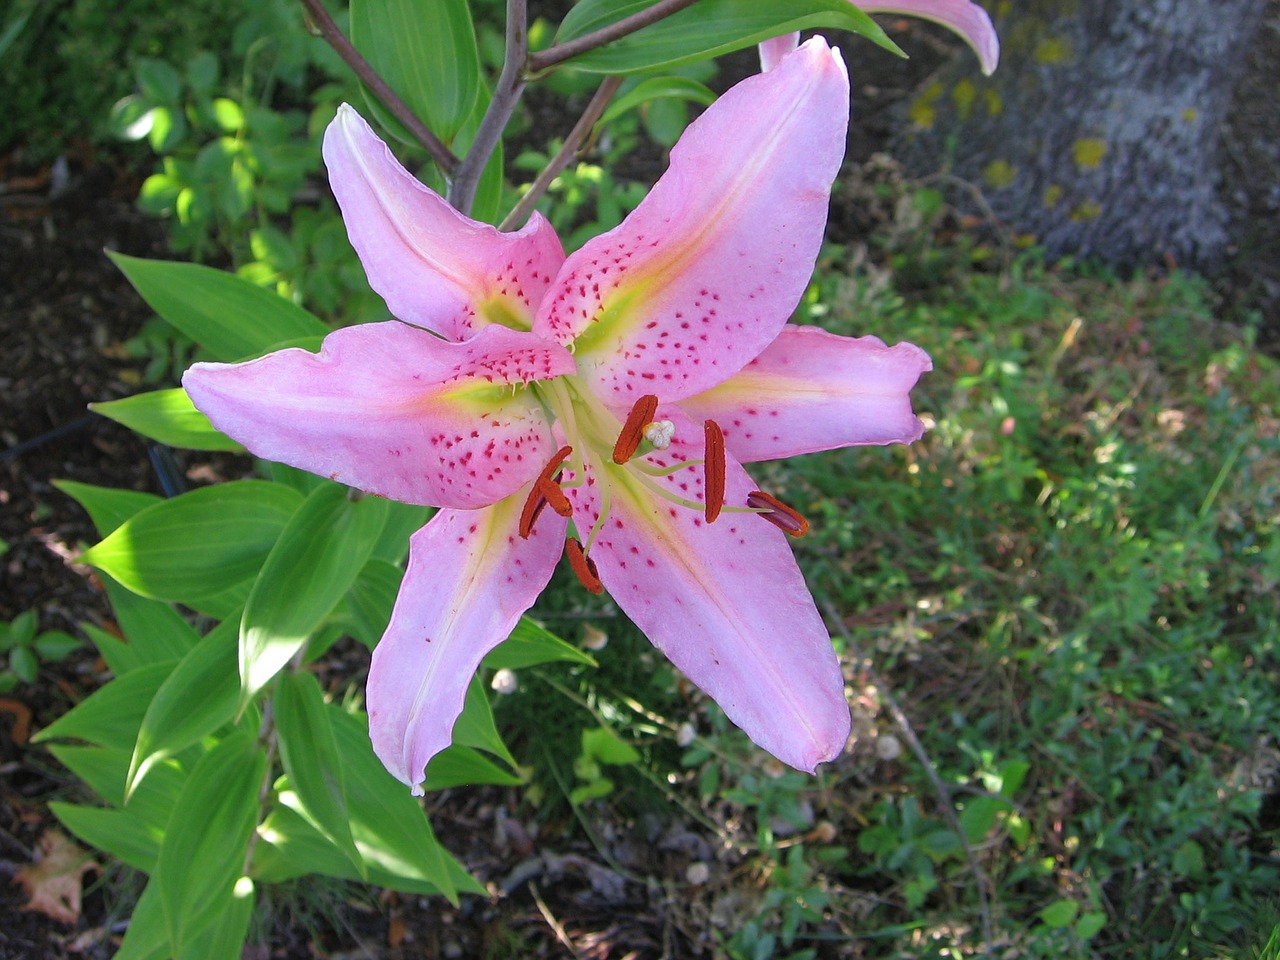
{"x":208,"y":833}
{"x":197,"y":698}
{"x":658,"y":88}
{"x":107,"y":507}
{"x":459,"y":766}
{"x":311,"y":760}
{"x":426,"y":52}
{"x":475,"y":726}
{"x":153,"y":631}
{"x":169,"y":417}
{"x":310,"y":568}
{"x":290,"y":846}
{"x":229,"y":316}
{"x":709,"y":28}
{"x":111,"y":715}
{"x":105,"y":769}
{"x":198,"y":544}
{"x":370,"y":599}
{"x":120,"y":833}
{"x":531,"y":644}
{"x":388,"y":825}
{"x":216,"y":931}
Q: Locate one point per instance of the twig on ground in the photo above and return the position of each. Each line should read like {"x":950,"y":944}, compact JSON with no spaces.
{"x":556,"y":927}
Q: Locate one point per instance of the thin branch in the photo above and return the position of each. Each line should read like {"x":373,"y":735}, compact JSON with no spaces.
{"x":598,"y":38}
{"x":319,"y":16}
{"x":939,"y":787}
{"x":462,"y":191}
{"x":577,"y":137}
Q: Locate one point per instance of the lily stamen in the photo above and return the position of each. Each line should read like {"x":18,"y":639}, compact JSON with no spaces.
{"x":583,"y":566}
{"x":546,"y":489}
{"x":785,"y":518}
{"x":641,"y":416}
{"x":714,"y":469}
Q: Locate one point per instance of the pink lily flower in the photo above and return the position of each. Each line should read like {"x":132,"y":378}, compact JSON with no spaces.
{"x":964,"y":17}
{"x":622,"y":386}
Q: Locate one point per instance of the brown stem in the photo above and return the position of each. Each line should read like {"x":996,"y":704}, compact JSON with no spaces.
{"x":319,"y":16}
{"x":577,"y":137}
{"x":598,"y":38}
{"x":462,"y":191}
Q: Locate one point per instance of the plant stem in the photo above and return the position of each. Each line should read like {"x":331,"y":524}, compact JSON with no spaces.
{"x":441,"y":154}
{"x":466,"y":177}
{"x":598,"y":38}
{"x":577,"y":137}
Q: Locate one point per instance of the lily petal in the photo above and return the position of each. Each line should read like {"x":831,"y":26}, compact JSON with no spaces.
{"x":435,"y":268}
{"x":703,"y":274}
{"x":772,"y":51}
{"x":394,"y":410}
{"x":724,"y":601}
{"x":811,"y":390}
{"x":970,"y":21}
{"x":469,"y":579}
{"x":966,"y":18}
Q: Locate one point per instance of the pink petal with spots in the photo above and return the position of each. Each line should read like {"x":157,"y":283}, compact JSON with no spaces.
{"x":394,"y":410}
{"x":435,"y":268}
{"x":703,"y":274}
{"x":470,"y":577}
{"x":811,"y":390}
{"x":725,"y":601}
{"x":967,"y":19}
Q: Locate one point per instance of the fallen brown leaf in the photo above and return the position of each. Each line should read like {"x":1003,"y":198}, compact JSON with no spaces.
{"x":52,"y":883}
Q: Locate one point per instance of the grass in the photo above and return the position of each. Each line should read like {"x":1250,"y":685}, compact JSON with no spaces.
{"x":1069,"y":589}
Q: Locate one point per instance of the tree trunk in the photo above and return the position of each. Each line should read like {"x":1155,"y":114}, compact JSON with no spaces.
{"x":1098,"y":136}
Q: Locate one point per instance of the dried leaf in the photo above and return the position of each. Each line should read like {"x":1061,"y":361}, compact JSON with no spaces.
{"x":52,"y":883}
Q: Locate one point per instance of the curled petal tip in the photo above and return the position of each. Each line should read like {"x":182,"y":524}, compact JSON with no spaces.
{"x":967,"y":19}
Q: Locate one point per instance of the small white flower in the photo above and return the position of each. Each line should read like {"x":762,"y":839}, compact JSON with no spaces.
{"x":504,"y":681}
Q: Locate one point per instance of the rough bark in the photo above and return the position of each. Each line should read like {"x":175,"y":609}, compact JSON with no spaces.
{"x":1099,"y":134}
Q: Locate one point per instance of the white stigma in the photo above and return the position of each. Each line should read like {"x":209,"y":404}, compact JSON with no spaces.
{"x":659,"y":433}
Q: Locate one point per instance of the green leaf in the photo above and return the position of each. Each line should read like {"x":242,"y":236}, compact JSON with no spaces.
{"x":403,"y":521}
{"x":159,"y":80}
{"x":107,"y":508}
{"x":370,"y":599}
{"x":531,"y":644}
{"x":153,"y":631}
{"x":459,"y":766}
{"x":310,"y":568}
{"x":197,"y":698}
{"x":312,"y":762}
{"x":1090,"y":924}
{"x":979,"y":816}
{"x":198,"y":544}
{"x":120,"y":833}
{"x":111,"y":716}
{"x":148,"y":939}
{"x":387,"y":823}
{"x":658,"y":88}
{"x":169,"y":417}
{"x":290,"y":846}
{"x":709,"y":28}
{"x":228,"y":316}
{"x":1061,"y":913}
{"x":1188,"y":859}
{"x":54,"y":645}
{"x":475,"y":726}
{"x":23,"y":663}
{"x":606,"y":746}
{"x":205,"y":844}
{"x":426,"y":52}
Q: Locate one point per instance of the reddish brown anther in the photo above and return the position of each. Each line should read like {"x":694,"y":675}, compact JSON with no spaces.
{"x":778,"y":513}
{"x":641,"y":416}
{"x":713,"y":469}
{"x":583,"y":566}
{"x":546,"y":490}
